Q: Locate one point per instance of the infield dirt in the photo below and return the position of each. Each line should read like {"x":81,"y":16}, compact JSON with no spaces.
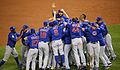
{"x":34,"y":12}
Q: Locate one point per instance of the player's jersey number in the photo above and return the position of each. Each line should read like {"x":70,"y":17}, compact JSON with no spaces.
{"x":56,"y":32}
{"x":43,"y":34}
{"x":74,"y":30}
{"x":35,"y":42}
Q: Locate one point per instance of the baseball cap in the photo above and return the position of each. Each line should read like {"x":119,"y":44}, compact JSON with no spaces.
{"x":12,"y":28}
{"x":32,"y":30}
{"x":46,"y":22}
{"x":99,"y":18}
{"x":25,"y":26}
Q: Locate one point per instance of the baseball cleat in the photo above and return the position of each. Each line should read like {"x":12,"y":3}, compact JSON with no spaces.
{"x":109,"y":64}
{"x":106,"y":67}
{"x":52,"y":68}
{"x":113,"y":58}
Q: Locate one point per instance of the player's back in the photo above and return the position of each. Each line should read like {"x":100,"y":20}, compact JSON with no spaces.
{"x":32,"y":41}
{"x":56,"y":32}
{"x":103,"y":25}
{"x":66,"y":37}
{"x":44,"y":34}
{"x":75,"y":30}
{"x":25,"y":34}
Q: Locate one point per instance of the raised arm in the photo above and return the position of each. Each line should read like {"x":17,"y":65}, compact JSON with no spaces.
{"x":19,"y":36}
{"x":53,"y":11}
{"x":65,"y":13}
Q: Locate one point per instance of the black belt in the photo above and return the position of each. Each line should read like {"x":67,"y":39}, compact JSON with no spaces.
{"x":33,"y":48}
{"x":94,"y":42}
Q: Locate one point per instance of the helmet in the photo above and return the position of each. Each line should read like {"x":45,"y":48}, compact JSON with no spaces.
{"x":12,"y":28}
{"x":99,"y":18}
{"x":25,"y":26}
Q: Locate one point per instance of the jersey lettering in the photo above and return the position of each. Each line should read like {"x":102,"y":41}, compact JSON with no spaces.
{"x":35,"y":42}
{"x":56,"y":32}
{"x":42,"y":34}
{"x":74,"y":30}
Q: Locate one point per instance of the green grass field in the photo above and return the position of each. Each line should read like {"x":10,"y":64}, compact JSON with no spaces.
{"x":114,"y":31}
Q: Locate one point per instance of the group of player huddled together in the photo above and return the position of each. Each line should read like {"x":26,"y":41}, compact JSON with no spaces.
{"x":62,"y":42}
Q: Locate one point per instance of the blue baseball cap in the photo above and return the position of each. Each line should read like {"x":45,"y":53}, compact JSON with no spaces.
{"x":99,"y":18}
{"x":12,"y":28}
{"x":55,"y":22}
{"x":46,"y":22}
{"x":51,"y":24}
{"x":32,"y":30}
{"x":25,"y":26}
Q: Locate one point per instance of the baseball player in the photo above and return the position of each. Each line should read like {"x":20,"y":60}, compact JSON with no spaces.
{"x":67,"y":47}
{"x":107,"y":37}
{"x":24,"y":48}
{"x":93,"y":47}
{"x":75,"y":33}
{"x":61,"y":15}
{"x":103,"y":56}
{"x":56,"y":34}
{"x":84,"y":23}
{"x":51,"y":60}
{"x":13,"y":37}
{"x":32,"y":43}
{"x":44,"y":36}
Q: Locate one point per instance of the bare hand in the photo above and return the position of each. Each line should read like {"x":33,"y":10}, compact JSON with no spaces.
{"x":97,"y":25}
{"x":53,"y":5}
{"x":83,"y":29}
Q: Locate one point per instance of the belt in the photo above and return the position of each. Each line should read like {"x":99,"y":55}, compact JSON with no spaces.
{"x":33,"y":48}
{"x":44,"y":41}
{"x":94,"y":42}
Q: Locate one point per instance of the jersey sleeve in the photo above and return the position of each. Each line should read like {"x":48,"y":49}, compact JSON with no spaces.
{"x":65,"y":18}
{"x":17,"y":34}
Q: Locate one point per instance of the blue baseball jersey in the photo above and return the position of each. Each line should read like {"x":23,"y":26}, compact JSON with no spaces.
{"x":56,"y":32}
{"x":94,"y":35}
{"x":44,"y":34}
{"x":102,"y":42}
{"x":103,"y":25}
{"x":12,"y":37}
{"x":85,"y":25}
{"x":32,"y":41}
{"x":75,"y":30}
{"x":67,"y":38}
{"x":25,"y":34}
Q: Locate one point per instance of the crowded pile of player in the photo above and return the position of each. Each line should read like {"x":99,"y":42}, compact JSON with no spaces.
{"x":62,"y":42}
